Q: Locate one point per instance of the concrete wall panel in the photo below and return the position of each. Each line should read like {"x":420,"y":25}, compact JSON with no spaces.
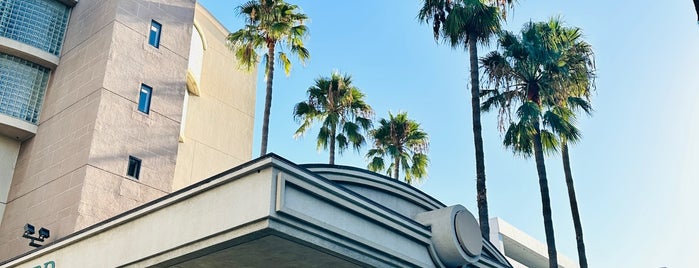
{"x":133,"y":62}
{"x":86,"y":19}
{"x":80,"y":74}
{"x":53,"y":206}
{"x":219,"y":125}
{"x":9,"y":148}
{"x":121,"y":130}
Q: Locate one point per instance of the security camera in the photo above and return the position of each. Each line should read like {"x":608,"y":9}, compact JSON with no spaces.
{"x":29,"y":229}
{"x":44,"y":233}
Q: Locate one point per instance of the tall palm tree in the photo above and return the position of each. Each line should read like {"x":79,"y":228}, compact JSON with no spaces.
{"x":574,"y":97}
{"x":465,"y":23}
{"x":578,"y":89}
{"x":536,"y":72}
{"x":269,"y":24}
{"x":405,"y":143}
{"x":340,"y":106}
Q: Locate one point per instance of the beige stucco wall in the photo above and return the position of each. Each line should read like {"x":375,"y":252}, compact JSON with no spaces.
{"x":219,"y":122}
{"x":72,"y":174}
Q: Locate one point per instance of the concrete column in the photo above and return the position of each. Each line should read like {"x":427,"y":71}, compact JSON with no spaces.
{"x":9,"y":149}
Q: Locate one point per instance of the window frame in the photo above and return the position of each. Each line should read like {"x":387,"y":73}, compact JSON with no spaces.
{"x":145,"y":94}
{"x":133,"y":169}
{"x":154,"y":35}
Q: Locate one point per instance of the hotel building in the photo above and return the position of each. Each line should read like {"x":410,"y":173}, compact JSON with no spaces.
{"x":107,"y":105}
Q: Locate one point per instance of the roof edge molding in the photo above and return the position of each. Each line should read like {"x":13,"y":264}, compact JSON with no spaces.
{"x":346,"y":175}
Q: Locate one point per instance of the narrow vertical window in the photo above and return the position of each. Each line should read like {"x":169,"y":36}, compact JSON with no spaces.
{"x":144,"y":98}
{"x":154,"y":36}
{"x":134,"y":167}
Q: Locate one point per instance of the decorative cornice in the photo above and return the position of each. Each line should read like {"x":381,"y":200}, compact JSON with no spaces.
{"x":192,"y":85}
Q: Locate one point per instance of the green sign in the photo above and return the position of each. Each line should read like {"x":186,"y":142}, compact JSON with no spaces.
{"x":48,"y":264}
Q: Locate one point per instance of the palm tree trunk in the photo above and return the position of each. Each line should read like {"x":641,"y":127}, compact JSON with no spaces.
{"x":268,"y":98}
{"x":582,"y":257}
{"x":481,"y":196}
{"x":545,"y":199}
{"x":333,"y":129}
{"x":396,"y":167}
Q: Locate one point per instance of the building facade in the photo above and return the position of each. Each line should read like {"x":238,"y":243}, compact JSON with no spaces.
{"x":107,"y":105}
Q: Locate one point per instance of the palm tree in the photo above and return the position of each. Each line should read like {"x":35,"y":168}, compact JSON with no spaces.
{"x":405,"y":143}
{"x":578,"y":89}
{"x":467,"y":23}
{"x":269,"y":24}
{"x":536,"y":73}
{"x":339,"y":105}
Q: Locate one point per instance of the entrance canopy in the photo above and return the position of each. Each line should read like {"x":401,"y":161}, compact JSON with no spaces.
{"x":272,"y":212}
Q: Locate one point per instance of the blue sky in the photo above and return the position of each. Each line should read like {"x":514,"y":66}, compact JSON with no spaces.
{"x":636,"y":170}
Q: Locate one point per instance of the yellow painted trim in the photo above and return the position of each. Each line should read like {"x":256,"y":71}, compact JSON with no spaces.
{"x":204,"y":43}
{"x":192,"y":85}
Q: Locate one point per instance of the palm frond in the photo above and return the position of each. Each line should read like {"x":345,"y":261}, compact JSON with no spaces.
{"x":577,"y":103}
{"x":323,"y":138}
{"x":549,"y":142}
{"x":519,"y":137}
{"x":285,"y":63}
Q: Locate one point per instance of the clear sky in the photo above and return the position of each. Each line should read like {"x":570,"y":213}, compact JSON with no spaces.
{"x":636,"y":169}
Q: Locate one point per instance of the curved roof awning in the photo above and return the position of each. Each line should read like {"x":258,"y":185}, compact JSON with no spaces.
{"x":272,"y":212}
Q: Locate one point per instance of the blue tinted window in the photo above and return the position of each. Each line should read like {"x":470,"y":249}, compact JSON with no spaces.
{"x":22,"y":87}
{"x":134,"y":169}
{"x":38,"y":23}
{"x":154,"y":36}
{"x":144,"y":98}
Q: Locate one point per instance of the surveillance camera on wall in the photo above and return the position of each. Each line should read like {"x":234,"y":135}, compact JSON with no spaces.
{"x":29,"y":229}
{"x":44,"y":233}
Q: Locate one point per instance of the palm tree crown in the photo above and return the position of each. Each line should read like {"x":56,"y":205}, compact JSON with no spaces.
{"x":269,"y":24}
{"x":405,"y":143}
{"x":546,"y":73}
{"x":456,"y":22}
{"x":342,"y":111}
